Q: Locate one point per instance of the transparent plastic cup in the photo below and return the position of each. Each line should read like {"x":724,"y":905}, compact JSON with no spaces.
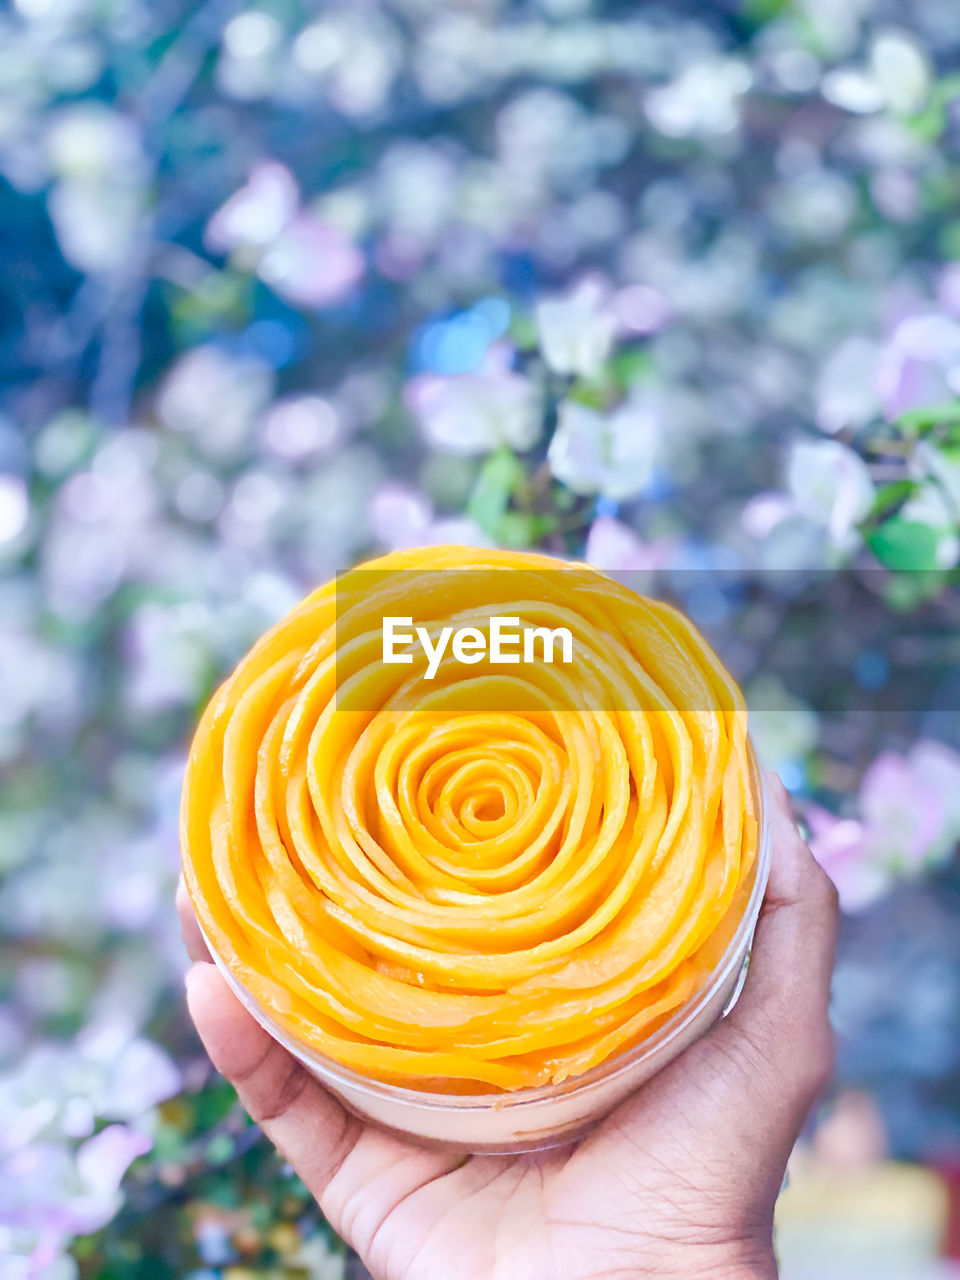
{"x":556,"y":1114}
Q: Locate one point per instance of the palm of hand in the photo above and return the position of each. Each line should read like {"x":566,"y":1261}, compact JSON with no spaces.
{"x":680,"y":1180}
{"x":671,"y":1177}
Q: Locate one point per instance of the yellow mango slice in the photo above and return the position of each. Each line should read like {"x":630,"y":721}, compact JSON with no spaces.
{"x":489,"y":879}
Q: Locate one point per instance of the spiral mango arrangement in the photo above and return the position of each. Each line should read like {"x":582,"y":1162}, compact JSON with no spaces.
{"x":491,"y":881}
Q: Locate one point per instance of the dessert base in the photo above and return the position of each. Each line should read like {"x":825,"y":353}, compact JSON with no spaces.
{"x":530,"y":1119}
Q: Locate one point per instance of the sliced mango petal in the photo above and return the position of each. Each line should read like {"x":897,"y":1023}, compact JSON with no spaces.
{"x":492,"y":881}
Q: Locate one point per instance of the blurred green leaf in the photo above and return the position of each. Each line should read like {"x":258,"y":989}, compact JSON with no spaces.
{"x":521,"y":529}
{"x":594,"y":394}
{"x":220,"y":1148}
{"x":930,"y":123}
{"x":890,"y":497}
{"x":758,"y":12}
{"x":214,"y":1103}
{"x":169,"y":1145}
{"x":523,"y":331}
{"x":631,"y":366}
{"x":917,"y":422}
{"x":904,"y":544}
{"x":907,"y":591}
{"x":448,"y":479}
{"x":498,"y":479}
{"x":948,"y":240}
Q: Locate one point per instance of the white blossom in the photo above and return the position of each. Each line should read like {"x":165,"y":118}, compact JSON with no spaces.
{"x":830,"y":486}
{"x":473,"y":413}
{"x":610,"y":454}
{"x":577,"y":331}
{"x":847,"y":386}
{"x":703,"y":100}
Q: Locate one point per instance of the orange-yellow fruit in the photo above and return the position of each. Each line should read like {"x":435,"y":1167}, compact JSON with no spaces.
{"x":491,"y":881}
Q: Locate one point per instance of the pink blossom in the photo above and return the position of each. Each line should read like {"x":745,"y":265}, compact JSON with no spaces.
{"x":764,"y":511}
{"x":103,"y":1159}
{"x":402,"y":517}
{"x":909,"y":820}
{"x":302,"y":257}
{"x":920,"y":364}
{"x":614,"y":546}
{"x":948,"y":289}
{"x":939,"y":767}
{"x":840,"y":845}
{"x":257,"y":213}
{"x":311,"y":262}
{"x":904,"y":816}
{"x":398,"y":516}
{"x":55,"y":1194}
{"x":640,"y":309}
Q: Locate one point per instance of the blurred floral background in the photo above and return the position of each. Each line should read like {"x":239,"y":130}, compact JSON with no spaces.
{"x":673,"y":288}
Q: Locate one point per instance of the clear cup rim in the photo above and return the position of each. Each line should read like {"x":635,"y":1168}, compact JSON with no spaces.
{"x":343,"y":1078}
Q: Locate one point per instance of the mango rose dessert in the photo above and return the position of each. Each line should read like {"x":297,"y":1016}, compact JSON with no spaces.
{"x":476,"y":835}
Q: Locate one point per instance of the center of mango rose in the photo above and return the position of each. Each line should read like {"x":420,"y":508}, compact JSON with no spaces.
{"x":463,"y":874}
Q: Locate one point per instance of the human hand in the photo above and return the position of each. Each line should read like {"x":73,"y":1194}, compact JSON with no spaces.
{"x":680,"y":1180}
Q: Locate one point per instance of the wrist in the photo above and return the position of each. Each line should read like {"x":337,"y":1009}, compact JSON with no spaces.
{"x":750,"y":1262}
{"x":766,"y":1270}
{"x":746,"y":1261}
